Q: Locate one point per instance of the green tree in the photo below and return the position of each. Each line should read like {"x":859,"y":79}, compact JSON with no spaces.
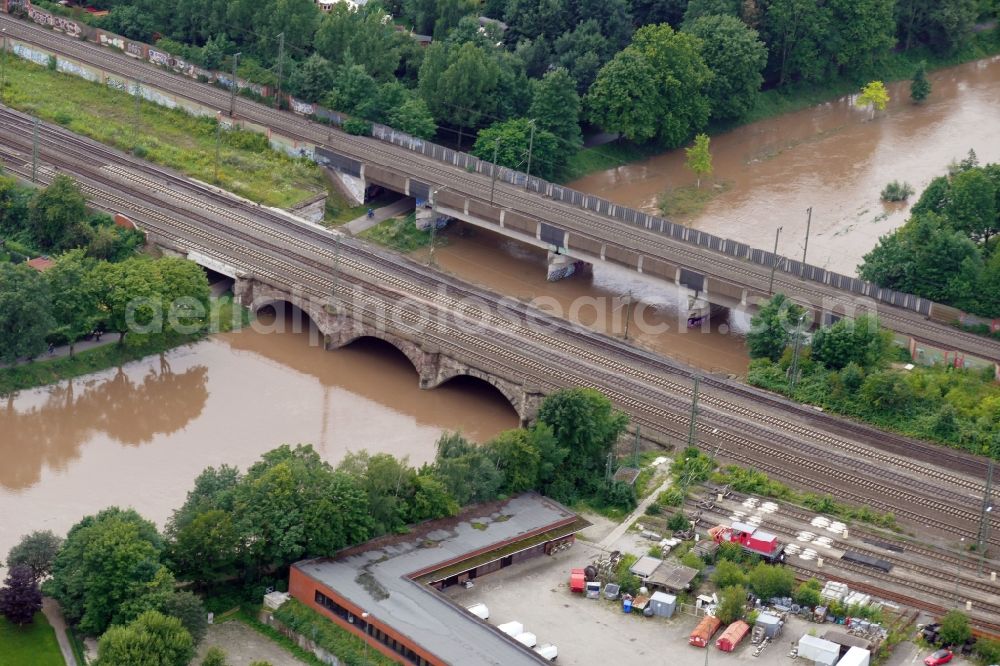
{"x":585,"y":424}
{"x":205,"y":548}
{"x":555,"y":107}
{"x":189,"y":609}
{"x":517,"y":459}
{"x":511,"y":140}
{"x":353,"y":90}
{"x":291,"y":504}
{"x":769,"y":581}
{"x":771,"y":327}
{"x":56,"y":213}
{"x":887,"y":393}
{"x":699,"y":157}
{"x":972,"y":205}
{"x":736,"y":57}
{"x":582,"y":52}
{"x":413,"y":117}
{"x":732,"y":604}
{"x":129,"y":297}
{"x":460,"y":85}
{"x":152,"y":639}
{"x":955,"y":629}
{"x":14,"y":200}
{"x":698,"y":9}
{"x":466,"y":470}
{"x":449,"y":13}
{"x":362,"y":36}
{"x":25,"y":312}
{"x":313,"y":78}
{"x":431,"y":499}
{"x":873,"y":95}
{"x":107,"y":559}
{"x":860,"y":341}
{"x":795,"y":32}
{"x":215,"y":656}
{"x":941,"y":24}
{"x":37,"y":551}
{"x":728,"y":574}
{"x":625,"y":98}
{"x":920,"y":87}
{"x":75,"y":292}
{"x":861,"y":33}
{"x":389,"y":484}
{"x":807,"y":593}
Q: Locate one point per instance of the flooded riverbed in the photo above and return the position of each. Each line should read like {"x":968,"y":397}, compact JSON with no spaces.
{"x":657,"y":316}
{"x":833,"y":157}
{"x":138,"y":437}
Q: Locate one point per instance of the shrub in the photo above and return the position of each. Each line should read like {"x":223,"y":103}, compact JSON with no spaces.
{"x":672,"y":496}
{"x":897,"y":191}
{"x":678,"y":521}
{"x":349,"y":648}
{"x":357,"y":127}
{"x":727,"y":574}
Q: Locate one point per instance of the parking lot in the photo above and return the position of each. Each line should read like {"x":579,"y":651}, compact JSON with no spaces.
{"x":592,"y":632}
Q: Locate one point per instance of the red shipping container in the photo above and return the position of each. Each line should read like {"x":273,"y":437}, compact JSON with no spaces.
{"x":577,"y":581}
{"x":732,"y":636}
{"x":704,"y":631}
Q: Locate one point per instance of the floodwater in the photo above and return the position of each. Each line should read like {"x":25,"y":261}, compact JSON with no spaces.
{"x":138,"y":436}
{"x":598,"y":298}
{"x":833,"y":157}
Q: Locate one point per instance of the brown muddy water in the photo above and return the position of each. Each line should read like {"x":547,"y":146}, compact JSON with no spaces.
{"x":833,"y":157}
{"x":598,"y":299}
{"x":139,"y":435}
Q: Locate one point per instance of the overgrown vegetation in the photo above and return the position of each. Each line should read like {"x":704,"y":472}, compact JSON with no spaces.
{"x":688,"y":201}
{"x":897,"y":191}
{"x":847,"y":369}
{"x":400,"y":234}
{"x":350,"y":649}
{"x":247,"y":165}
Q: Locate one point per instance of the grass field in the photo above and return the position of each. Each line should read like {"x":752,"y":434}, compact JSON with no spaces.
{"x":173,"y":138}
{"x":31,"y":645}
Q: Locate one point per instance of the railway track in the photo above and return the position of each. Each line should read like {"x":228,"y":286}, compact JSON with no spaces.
{"x":645,"y":394}
{"x":400,"y":159}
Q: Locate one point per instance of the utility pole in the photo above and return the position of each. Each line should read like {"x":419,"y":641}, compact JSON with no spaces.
{"x":774,"y":261}
{"x":496,"y":168}
{"x":281,"y":65}
{"x":3,"y":70}
{"x":984,"y":516}
{"x":693,"y":429}
{"x":805,"y":247}
{"x":628,"y":312}
{"x":795,"y":356}
{"x":531,"y":144}
{"x":218,"y":141}
{"x":34,"y":153}
{"x":138,"y":115}
{"x":235,"y":88}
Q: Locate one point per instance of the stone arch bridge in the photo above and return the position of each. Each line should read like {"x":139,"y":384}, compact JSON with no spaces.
{"x":434,"y":367}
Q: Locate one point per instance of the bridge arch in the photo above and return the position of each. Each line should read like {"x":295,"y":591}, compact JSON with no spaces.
{"x":316,"y":315}
{"x":412,"y":352}
{"x":512,"y":394}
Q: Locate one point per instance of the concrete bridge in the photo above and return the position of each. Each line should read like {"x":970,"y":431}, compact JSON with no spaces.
{"x":570,"y":225}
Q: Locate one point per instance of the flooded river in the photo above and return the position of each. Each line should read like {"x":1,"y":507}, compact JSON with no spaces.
{"x":833,"y":157}
{"x":138,"y":437}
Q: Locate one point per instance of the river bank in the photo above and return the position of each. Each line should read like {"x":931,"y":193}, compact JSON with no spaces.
{"x":899,"y":66}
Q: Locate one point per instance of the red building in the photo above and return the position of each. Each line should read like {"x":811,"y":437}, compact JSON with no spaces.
{"x":388,"y":590}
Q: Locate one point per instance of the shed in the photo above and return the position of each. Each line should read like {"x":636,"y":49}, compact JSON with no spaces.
{"x":770,"y":623}
{"x":672,"y":577}
{"x":663,"y":604}
{"x":703,"y":633}
{"x":823,"y":653}
{"x":732,"y":636}
{"x":705,"y":548}
{"x":512,"y":629}
{"x":645,"y":566}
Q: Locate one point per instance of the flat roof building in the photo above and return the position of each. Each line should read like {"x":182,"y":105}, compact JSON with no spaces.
{"x":386,"y":590}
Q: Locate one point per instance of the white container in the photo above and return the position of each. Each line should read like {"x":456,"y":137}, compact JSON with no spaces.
{"x":479,"y":610}
{"x":512,"y":629}
{"x":527,"y":639}
{"x":547,"y":651}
